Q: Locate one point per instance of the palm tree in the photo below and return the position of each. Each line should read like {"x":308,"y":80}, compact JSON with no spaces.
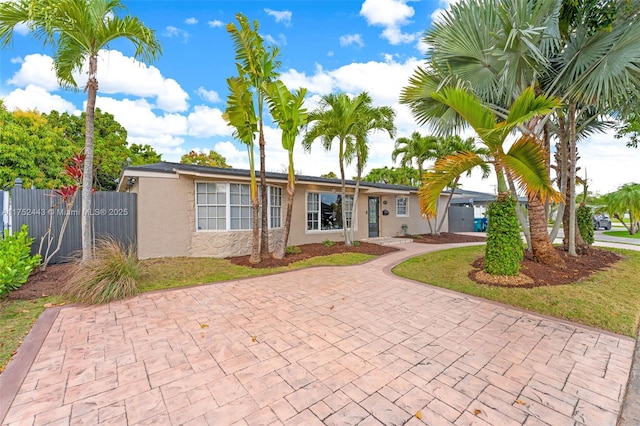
{"x":258,"y":64}
{"x":523,"y":162}
{"x":416,"y":148}
{"x":592,"y":74}
{"x":78,"y":30}
{"x":335,"y":119}
{"x":240,"y":114}
{"x":582,"y":51}
{"x":289,"y":114}
{"x":370,"y":119}
{"x":626,"y":200}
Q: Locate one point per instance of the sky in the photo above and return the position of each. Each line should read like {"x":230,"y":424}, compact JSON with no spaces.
{"x":175,"y":104}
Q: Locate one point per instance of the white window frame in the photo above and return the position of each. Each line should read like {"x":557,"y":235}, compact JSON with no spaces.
{"x":318,"y":219}
{"x":406,"y":206}
{"x":227,"y":206}
{"x":275,"y":192}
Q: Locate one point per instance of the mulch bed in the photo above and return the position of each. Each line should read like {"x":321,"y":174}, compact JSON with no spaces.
{"x":41,"y":284}
{"x":308,"y":251}
{"x":576,"y":269}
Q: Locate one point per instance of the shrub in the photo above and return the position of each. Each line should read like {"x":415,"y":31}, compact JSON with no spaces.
{"x":111,"y":274}
{"x":584,"y":216}
{"x":328,"y":243}
{"x":16,"y":262}
{"x":293,"y":250}
{"x":356,"y":243}
{"x":504,"y":250}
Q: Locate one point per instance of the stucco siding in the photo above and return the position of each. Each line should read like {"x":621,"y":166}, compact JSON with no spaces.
{"x":167,"y":219}
{"x":163,"y":224}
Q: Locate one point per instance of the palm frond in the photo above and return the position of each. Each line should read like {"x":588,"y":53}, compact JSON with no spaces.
{"x":443,"y":172}
{"x":525,"y":162}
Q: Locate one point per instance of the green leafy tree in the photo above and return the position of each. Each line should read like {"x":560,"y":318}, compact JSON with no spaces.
{"x":143,"y":154}
{"x":213,"y":159}
{"x":330,"y":175}
{"x":395,"y":176}
{"x":31,"y":149}
{"x":257,"y":64}
{"x":288,"y":112}
{"x":626,"y":200}
{"x":78,"y":30}
{"x":112,"y":151}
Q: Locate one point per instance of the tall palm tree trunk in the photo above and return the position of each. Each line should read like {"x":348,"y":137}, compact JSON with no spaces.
{"x":571,"y":235}
{"x":264,"y":236}
{"x":343,"y":192}
{"x":453,"y":187}
{"x":543,"y":250}
{"x":291,"y":190}
{"x":87,"y":177}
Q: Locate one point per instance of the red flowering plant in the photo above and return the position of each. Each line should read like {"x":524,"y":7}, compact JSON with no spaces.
{"x":68,"y":194}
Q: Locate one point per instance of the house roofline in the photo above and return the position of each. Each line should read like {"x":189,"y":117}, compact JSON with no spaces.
{"x":177,"y":169}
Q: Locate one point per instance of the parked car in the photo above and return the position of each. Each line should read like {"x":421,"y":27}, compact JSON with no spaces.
{"x":601,"y":221}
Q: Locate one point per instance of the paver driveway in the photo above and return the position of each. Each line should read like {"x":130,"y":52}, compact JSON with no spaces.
{"x":332,"y":345}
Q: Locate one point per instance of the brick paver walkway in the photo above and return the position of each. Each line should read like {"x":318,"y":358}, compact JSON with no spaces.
{"x":330,"y":345}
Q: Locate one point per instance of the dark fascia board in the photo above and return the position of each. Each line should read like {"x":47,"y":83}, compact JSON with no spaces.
{"x":173,"y":168}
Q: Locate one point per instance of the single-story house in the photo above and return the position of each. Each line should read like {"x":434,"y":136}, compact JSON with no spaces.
{"x":199,"y":211}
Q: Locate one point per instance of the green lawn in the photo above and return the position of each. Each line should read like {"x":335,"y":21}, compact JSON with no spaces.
{"x":17,"y":317}
{"x":624,"y":234}
{"x":607,"y":300}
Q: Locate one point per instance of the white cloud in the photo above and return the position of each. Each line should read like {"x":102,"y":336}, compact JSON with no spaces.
{"x":22,"y":28}
{"x":206,"y":122}
{"x":280,"y":41}
{"x":283,"y":16}
{"x":383,"y":80}
{"x":191,"y":21}
{"x":36,"y":69}
{"x":604,"y":158}
{"x":208,"y":95}
{"x":392,"y":15}
{"x":215,"y":24}
{"x":38,"y":98}
{"x":140,"y":121}
{"x":349,"y":39}
{"x":171,"y":31}
{"x":117,"y":74}
{"x":121,"y":74}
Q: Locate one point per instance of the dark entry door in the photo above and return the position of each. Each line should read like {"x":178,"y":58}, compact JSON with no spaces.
{"x":373,"y":217}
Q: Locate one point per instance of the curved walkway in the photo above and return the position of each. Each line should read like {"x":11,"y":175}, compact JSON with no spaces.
{"x":328,"y":345}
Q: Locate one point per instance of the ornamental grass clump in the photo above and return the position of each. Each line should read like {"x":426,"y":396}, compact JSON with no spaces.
{"x":111,"y":274}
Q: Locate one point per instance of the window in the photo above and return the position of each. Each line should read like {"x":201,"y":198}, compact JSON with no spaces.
{"x":240,"y":210}
{"x":227,"y":206}
{"x":402,"y":206}
{"x":275,"y":207}
{"x":324,"y":211}
{"x":211,"y":200}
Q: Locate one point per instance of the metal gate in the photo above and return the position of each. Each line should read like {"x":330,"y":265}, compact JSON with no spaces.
{"x":461,"y":219}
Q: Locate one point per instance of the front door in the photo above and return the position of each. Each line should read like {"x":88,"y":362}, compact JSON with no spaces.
{"x":373,"y":215}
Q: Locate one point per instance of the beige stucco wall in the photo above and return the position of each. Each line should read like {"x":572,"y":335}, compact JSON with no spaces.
{"x":162,"y":217}
{"x":167,"y":220}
